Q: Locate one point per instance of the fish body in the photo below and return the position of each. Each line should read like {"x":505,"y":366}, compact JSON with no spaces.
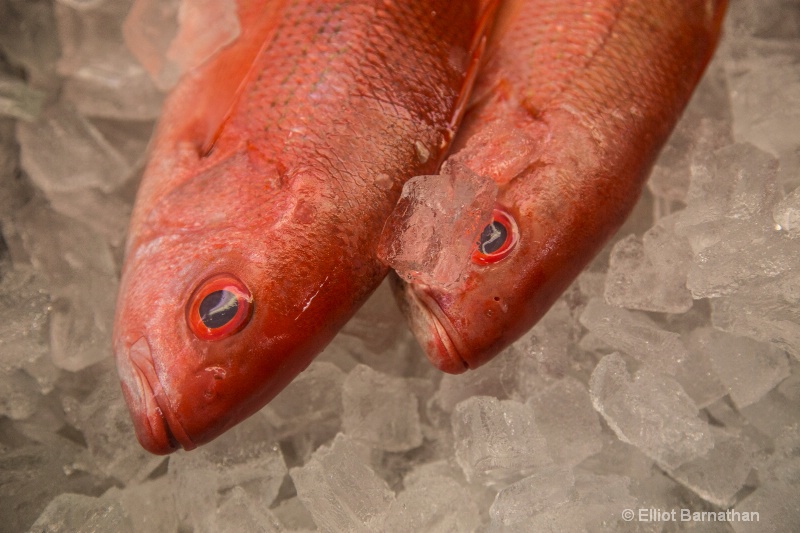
{"x":568,"y":116}
{"x":272,"y":171}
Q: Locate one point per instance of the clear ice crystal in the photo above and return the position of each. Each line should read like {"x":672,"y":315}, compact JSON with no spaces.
{"x":748,"y":368}
{"x":241,"y":512}
{"x":565,"y":417}
{"x":696,"y":373}
{"x":560,"y":500}
{"x":82,"y":273}
{"x":721,"y":473}
{"x":105,"y":422}
{"x":150,"y":505}
{"x":340,"y":490}
{"x":97,"y":65}
{"x":777,"y":505}
{"x":433,"y":502}
{"x":245,"y":456}
{"x":519,"y":503}
{"x":650,"y":411}
{"x":76,"y":512}
{"x":313,"y":399}
{"x":380,"y":410}
{"x":497,"y":442}
{"x":430,"y":235}
{"x":635,"y":334}
{"x":650,"y":274}
{"x":63,"y":152}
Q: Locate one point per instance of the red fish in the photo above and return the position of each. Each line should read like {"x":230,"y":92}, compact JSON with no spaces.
{"x":568,"y":115}
{"x":273,"y":169}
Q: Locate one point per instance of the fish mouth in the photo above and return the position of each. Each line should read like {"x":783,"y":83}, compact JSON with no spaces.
{"x":432,"y":329}
{"x":157,"y":428}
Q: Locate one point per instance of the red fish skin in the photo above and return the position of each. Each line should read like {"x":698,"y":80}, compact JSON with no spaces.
{"x":278,"y":162}
{"x":569,"y":114}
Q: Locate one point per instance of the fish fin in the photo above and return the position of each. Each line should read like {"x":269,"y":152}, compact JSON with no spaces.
{"x":476,"y":54}
{"x":201,"y":104}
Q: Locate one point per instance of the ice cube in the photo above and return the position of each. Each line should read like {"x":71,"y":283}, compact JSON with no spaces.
{"x":26,"y":307}
{"x":650,"y":274}
{"x":696,"y":374}
{"x":432,"y":502}
{"x":774,"y":507}
{"x":76,"y":512}
{"x":106,"y":425}
{"x":82,"y":271}
{"x":567,"y":421}
{"x":732,"y":189}
{"x":721,"y":473}
{"x":748,"y":368}
{"x":774,"y":415}
{"x":293,"y":515}
{"x":172,"y":37}
{"x":457,"y":387}
{"x":313,"y":399}
{"x":430,"y":235}
{"x":765,"y":311}
{"x":380,"y":410}
{"x":150,"y":505}
{"x":62,"y":152}
{"x":104,"y":214}
{"x":618,"y":458}
{"x":765,"y":93}
{"x":635,"y":334}
{"x":97,"y":64}
{"x":340,"y":490}
{"x":497,"y":442}
{"x":246,"y":456}
{"x":650,"y":411}
{"x":377,"y":336}
{"x":704,"y":127}
{"x":238,"y":513}
{"x":579,"y":502}
{"x":35,"y":472}
{"x":543,"y":351}
{"x":720,"y":269}
{"x":517,"y":504}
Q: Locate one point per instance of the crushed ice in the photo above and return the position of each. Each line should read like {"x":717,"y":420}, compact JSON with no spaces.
{"x":666,"y":377}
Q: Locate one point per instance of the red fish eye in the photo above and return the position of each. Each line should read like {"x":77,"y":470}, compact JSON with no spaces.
{"x":497,"y":240}
{"x":219,"y":307}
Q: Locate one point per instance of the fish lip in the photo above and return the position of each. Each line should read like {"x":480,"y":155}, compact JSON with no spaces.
{"x":162,"y":433}
{"x":442,"y":350}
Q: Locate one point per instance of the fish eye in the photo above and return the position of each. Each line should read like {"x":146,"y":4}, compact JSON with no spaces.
{"x":497,"y":239}
{"x":219,"y":307}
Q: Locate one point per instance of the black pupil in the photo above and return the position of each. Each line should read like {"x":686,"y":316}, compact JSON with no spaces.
{"x":493,"y":237}
{"x":218,"y":308}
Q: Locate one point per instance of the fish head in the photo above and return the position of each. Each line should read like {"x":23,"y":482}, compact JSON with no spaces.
{"x":221,"y":305}
{"x":545,"y":228}
{"x":461,"y":326}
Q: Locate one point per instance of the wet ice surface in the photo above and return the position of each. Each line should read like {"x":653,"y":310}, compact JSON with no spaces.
{"x":666,"y":377}
{"x":430,"y":235}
